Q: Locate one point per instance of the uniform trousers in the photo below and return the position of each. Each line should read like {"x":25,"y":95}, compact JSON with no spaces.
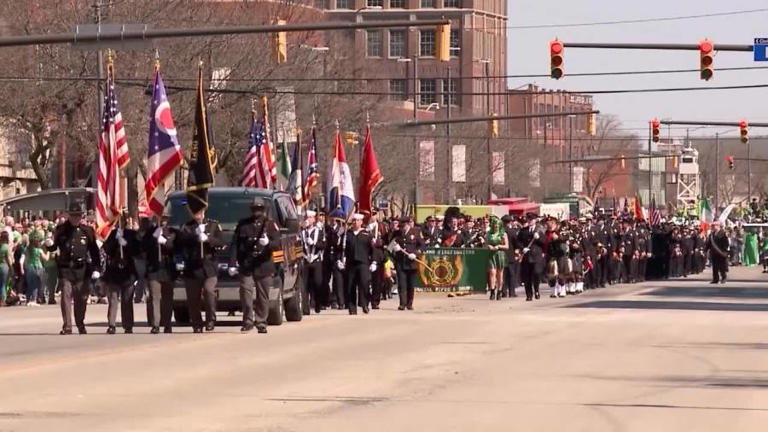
{"x":122,"y":295}
{"x":358,"y":277}
{"x":254,"y":299}
{"x":74,"y":291}
{"x":719,"y":268}
{"x":406,"y":283}
{"x":197,"y":288}
{"x":313,"y":281}
{"x":531,"y":278}
{"x":160,"y":303}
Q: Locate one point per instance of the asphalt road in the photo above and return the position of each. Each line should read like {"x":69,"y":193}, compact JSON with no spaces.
{"x":671,"y":356}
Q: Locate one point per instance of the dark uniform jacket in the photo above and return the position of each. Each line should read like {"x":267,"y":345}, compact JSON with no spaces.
{"x":718,"y":245}
{"x":411,"y":243}
{"x":313,"y":253}
{"x":535,"y":253}
{"x":197,"y":264}
{"x":78,"y":252}
{"x":359,"y":248}
{"x":161,"y":264}
{"x":120,"y":268}
{"x":514,"y":245}
{"x":334,"y":244}
{"x":253,"y":258}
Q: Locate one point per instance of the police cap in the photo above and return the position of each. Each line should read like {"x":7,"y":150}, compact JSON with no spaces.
{"x":77,"y":207}
{"x":258,"y":203}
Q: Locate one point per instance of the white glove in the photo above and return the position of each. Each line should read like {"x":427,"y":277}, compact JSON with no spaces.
{"x":158,"y":233}
{"x":201,"y":229}
{"x":525,"y":250}
{"x":397,"y":248}
{"x":437,"y":245}
{"x":232,"y":271}
{"x":120,"y":233}
{"x":264,"y":240}
{"x":203,"y":237}
{"x":536,"y":236}
{"x":95,"y":275}
{"x":309,"y":241}
{"x":372,"y":267}
{"x":49,"y":242}
{"x":340,"y":264}
{"x":319,"y":225}
{"x":121,"y":241}
{"x":411,"y":257}
{"x":162,"y":240}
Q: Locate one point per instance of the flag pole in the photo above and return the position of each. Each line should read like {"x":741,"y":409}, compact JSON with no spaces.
{"x":119,"y":191}
{"x":202,"y":100}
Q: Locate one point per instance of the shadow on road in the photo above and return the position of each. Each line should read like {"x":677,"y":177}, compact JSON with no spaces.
{"x":714,"y":292}
{"x":672,"y":305}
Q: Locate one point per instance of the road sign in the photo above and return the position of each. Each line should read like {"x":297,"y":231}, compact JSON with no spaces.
{"x":761,"y":49}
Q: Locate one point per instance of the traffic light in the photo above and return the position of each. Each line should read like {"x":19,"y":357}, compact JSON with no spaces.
{"x":729,"y":159}
{"x":655,"y":125}
{"x":706,"y":51}
{"x":280,"y":45}
{"x":443,"y":45}
{"x":556,"y":59}
{"x":592,"y":124}
{"x":494,"y":128}
{"x":744,"y":132}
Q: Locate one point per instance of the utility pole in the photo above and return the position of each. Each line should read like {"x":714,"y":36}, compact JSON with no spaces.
{"x":416,"y":197}
{"x":717,"y":173}
{"x":749,"y":173}
{"x":570,"y":156}
{"x":488,"y":140}
{"x":448,"y":149}
{"x":650,"y":170}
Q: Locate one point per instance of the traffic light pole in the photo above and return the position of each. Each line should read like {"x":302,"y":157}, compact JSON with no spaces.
{"x":749,"y":173}
{"x":650,"y":169}
{"x":656,"y":46}
{"x":170,"y":33}
{"x":717,"y":173}
{"x":412,"y":123}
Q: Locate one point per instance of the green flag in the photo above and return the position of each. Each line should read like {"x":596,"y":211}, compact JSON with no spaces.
{"x":285,"y":162}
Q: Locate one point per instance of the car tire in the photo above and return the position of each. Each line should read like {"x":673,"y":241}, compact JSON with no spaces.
{"x":181,"y":315}
{"x":294,"y":306}
{"x":275,"y":317}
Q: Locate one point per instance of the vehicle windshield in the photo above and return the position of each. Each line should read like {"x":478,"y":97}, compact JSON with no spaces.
{"x":225,"y":209}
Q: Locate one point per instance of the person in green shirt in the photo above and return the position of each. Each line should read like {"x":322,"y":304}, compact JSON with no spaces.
{"x":6,"y":262}
{"x":31,"y":265}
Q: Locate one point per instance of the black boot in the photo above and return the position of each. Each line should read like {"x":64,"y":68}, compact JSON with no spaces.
{"x":493,"y":294}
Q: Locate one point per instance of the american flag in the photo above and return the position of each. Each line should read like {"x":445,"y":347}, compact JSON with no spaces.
{"x":257,"y":171}
{"x":164,"y":153}
{"x":312,"y":174}
{"x":113,"y":156}
{"x":655,"y":214}
{"x":269,"y":150}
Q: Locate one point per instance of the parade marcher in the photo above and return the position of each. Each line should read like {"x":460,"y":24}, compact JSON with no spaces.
{"x":513,"y":252}
{"x":313,"y":241}
{"x":121,"y":248}
{"x":576,"y":255}
{"x":197,"y":240}
{"x":78,"y":260}
{"x":377,"y":231}
{"x":628,"y":245}
{"x":644,"y":250}
{"x":498,"y":243}
{"x":532,"y":264}
{"x":6,"y":264}
{"x":254,"y":241}
{"x":32,"y":259}
{"x":431,"y":233}
{"x":407,"y":246}
{"x":604,"y":246}
{"x":334,"y":259}
{"x":159,"y":245}
{"x":718,"y":246}
{"x":358,"y":264}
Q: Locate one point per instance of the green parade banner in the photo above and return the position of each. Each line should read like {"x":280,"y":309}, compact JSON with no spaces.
{"x":452,"y":270}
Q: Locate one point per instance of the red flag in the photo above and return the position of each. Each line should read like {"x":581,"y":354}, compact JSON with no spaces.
{"x":639,"y":209}
{"x":370,"y":176}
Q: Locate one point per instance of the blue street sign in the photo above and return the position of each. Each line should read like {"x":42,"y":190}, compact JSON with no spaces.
{"x":761,"y":49}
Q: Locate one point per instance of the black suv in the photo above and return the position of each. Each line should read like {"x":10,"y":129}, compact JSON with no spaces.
{"x":226,"y":207}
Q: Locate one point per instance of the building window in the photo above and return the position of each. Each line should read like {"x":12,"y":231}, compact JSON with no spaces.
{"x":397,"y":90}
{"x":397,"y":4}
{"x":373,"y":43}
{"x":397,"y":43}
{"x":321,"y":4}
{"x":449,"y":92}
{"x":455,"y":43}
{"x":427,"y":3}
{"x":452,"y":3}
{"x":344,"y":4}
{"x":375,"y":3}
{"x":427,"y":43}
{"x":427,"y":92}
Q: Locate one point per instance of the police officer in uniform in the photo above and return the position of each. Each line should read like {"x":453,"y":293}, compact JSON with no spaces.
{"x":407,"y":247}
{"x":255,"y":239}
{"x":198,"y":239}
{"x":358,"y":263}
{"x":77,"y":260}
{"x":334,"y":259}
{"x":313,"y":240}
{"x":377,"y":231}
{"x":120,"y":248}
{"x":158,"y":243}
{"x":532,"y":264}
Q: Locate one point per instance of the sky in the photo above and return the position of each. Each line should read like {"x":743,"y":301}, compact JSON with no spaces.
{"x":528,"y":53}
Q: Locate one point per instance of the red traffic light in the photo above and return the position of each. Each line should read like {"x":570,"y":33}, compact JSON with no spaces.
{"x":743,"y":124}
{"x":655,"y":125}
{"x":706,"y":46}
{"x":706,"y":49}
{"x":556,"y":47}
{"x":744,"y":131}
{"x":729,"y":159}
